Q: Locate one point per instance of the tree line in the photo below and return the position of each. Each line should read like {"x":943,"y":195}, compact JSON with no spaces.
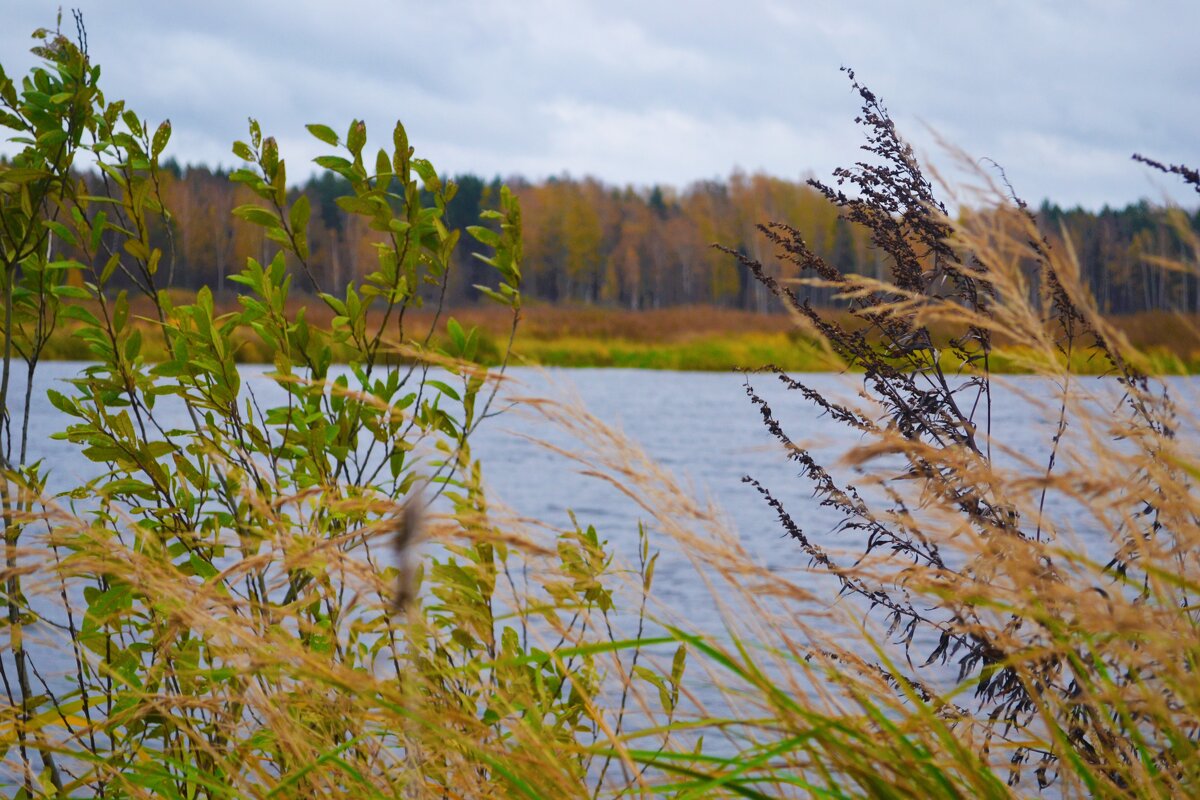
{"x":638,"y":248}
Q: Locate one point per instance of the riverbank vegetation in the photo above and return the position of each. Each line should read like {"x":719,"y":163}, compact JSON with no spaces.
{"x":704,"y":338}
{"x":239,"y":604}
{"x":588,"y":243}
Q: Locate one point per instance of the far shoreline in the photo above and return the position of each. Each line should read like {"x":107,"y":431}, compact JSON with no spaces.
{"x":685,"y":338}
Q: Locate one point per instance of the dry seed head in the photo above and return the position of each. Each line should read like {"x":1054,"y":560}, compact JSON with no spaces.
{"x":407,"y":533}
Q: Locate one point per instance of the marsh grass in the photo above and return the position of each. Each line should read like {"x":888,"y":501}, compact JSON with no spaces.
{"x":690,"y":338}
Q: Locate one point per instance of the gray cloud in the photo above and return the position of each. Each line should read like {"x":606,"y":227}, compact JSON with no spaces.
{"x":641,"y":91}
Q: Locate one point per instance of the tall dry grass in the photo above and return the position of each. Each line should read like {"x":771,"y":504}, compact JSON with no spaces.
{"x":1056,"y":630}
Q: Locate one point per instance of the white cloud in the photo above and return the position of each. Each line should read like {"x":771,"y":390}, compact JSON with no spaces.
{"x":648,"y":91}
{"x":671,"y":146}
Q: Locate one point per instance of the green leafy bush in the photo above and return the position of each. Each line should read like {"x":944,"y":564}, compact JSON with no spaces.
{"x":223,"y":584}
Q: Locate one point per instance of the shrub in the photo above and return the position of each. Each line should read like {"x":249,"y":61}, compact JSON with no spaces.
{"x":220,"y":585}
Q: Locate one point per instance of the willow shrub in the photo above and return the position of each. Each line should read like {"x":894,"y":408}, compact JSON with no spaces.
{"x":220,"y":611}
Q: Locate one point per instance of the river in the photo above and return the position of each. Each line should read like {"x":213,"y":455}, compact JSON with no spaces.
{"x":700,"y":427}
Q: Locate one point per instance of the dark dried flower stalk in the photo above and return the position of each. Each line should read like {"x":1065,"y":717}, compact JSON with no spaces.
{"x":943,"y":421}
{"x":1190,"y":176}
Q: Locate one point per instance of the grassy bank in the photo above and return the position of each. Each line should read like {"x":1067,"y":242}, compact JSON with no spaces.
{"x":685,"y":338}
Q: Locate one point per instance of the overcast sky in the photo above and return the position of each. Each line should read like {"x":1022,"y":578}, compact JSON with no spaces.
{"x":1059,"y":93}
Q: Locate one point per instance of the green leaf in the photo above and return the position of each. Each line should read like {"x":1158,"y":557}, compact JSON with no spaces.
{"x":131,"y":121}
{"x":443,"y":388}
{"x":161,"y":137}
{"x":120,"y":311}
{"x":457,"y":335}
{"x":62,"y":231}
{"x":356,"y":137}
{"x":81,"y":314}
{"x":383,"y":167}
{"x":61,"y":402}
{"x":428,"y":174}
{"x":299,"y":213}
{"x":201,"y":567}
{"x":72,"y":292}
{"x":484,"y":235}
{"x":324,"y":133}
{"x":243,"y":151}
{"x":128,"y":487}
{"x":337,"y":164}
{"x":402,"y":150}
{"x":649,"y":577}
{"x":494,"y":295}
{"x":677,"y":665}
{"x":356,"y":205}
{"x":270,"y":157}
{"x":257,"y":215}
{"x":110,"y":267}
{"x":133,"y":345}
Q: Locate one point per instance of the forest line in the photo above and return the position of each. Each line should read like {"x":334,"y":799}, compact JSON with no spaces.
{"x":591,"y":243}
